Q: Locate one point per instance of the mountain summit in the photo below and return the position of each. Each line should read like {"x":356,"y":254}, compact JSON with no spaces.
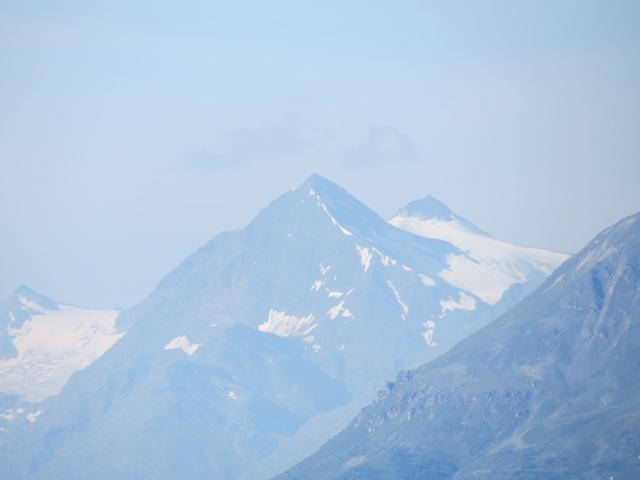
{"x":549,"y":390}
{"x":430,"y":208}
{"x":489,"y":268}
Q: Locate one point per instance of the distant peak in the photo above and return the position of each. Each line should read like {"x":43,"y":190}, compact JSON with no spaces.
{"x":428,"y":207}
{"x":318,"y":197}
{"x":319,"y":183}
{"x":32,"y":295}
{"x":314,"y":177}
{"x":26,"y":291}
{"x":431,"y":208}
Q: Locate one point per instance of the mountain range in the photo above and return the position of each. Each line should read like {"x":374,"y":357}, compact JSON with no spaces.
{"x":257,"y":349}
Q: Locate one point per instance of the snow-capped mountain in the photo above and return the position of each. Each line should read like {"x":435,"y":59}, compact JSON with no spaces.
{"x":43,"y":343}
{"x":548,"y":391}
{"x":487,"y":267}
{"x":258,"y":348}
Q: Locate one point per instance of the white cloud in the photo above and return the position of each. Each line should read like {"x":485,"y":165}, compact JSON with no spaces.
{"x":283,"y":136}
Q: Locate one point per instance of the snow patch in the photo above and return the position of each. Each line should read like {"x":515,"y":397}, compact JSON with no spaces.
{"x":33,"y":416}
{"x":13,"y":413}
{"x":465,"y":302}
{"x":365,"y":256}
{"x":430,"y":328}
{"x":403,"y":306}
{"x":324,"y":208}
{"x":286,"y":325}
{"x":183,"y":343}
{"x":10,"y":414}
{"x":385,"y":260}
{"x":427,"y":280}
{"x":339,"y":309}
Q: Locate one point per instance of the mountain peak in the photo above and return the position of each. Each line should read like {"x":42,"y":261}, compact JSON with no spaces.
{"x":24,"y":290}
{"x":428,"y":207}
{"x":320,"y":184}
{"x":318,"y":197}
{"x":431,"y":208}
{"x":32,"y":295}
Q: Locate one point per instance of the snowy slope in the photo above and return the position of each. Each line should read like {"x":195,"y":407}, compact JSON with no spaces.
{"x":547,"y":391}
{"x":486,"y":267}
{"x":257,"y":348}
{"x":45,"y":343}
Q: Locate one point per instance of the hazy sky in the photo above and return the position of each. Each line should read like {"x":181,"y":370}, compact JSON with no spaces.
{"x":131,"y":134}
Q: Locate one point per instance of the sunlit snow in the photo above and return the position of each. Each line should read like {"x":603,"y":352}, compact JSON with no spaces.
{"x":286,"y":325}
{"x":339,"y":309}
{"x":53,"y":344}
{"x":365,"y":256}
{"x":465,"y":302}
{"x":404,"y":309}
{"x":184,"y":344}
{"x":486,"y":267}
{"x":11,"y":413}
{"x":430,"y":327}
{"x":426,"y":280}
{"x":33,"y":416}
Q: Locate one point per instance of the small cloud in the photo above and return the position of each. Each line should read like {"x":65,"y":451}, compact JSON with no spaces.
{"x":271,"y":140}
{"x":382,"y":145}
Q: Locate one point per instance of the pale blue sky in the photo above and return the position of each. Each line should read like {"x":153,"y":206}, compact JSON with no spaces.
{"x":131,"y":134}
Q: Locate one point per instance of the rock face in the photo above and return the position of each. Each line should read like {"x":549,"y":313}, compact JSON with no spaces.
{"x":258,"y":348}
{"x":549,"y":390}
